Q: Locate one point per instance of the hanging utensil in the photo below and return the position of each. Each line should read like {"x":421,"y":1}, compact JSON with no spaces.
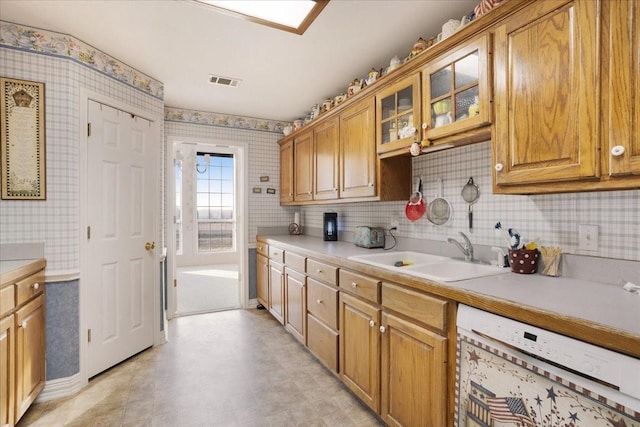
{"x":470,"y":194}
{"x":440,"y":210}
{"x":415,"y":208}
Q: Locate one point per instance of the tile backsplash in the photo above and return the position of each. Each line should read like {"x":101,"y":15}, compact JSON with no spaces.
{"x":551,"y":219}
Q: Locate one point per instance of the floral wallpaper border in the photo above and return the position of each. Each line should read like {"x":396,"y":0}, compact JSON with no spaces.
{"x":224,"y":120}
{"x":25,"y":38}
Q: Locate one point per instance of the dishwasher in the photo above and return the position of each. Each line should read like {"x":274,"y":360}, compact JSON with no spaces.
{"x":509,"y":373}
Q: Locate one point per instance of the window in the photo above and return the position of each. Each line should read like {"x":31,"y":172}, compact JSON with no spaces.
{"x":178,"y":218}
{"x":215,"y":195}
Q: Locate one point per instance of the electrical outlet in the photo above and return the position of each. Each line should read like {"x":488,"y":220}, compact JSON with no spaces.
{"x":588,"y":237}
{"x":394,"y":222}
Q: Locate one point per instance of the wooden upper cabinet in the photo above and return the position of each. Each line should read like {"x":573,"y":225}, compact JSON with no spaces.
{"x":358,"y":150}
{"x":457,"y":92}
{"x":286,"y":171}
{"x":303,"y":164}
{"x":397,"y":114}
{"x":326,"y":163}
{"x":621,"y":87}
{"x":546,"y":76}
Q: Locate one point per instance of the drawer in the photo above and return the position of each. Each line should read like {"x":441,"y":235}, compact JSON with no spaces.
{"x":262,"y":248}
{"x":276,"y":254}
{"x":423,"y":308}
{"x":295,"y":261}
{"x":7,"y":299}
{"x":321,"y":271}
{"x":322,"y":302}
{"x":29,"y":287}
{"x":363,"y":286}
{"x":323,"y":342}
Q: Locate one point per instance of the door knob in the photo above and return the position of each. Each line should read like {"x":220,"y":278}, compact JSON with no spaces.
{"x":150,"y":246}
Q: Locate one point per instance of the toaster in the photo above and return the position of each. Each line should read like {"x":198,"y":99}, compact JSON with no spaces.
{"x":369,"y":237}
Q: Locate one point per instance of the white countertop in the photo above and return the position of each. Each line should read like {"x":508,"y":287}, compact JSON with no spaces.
{"x":598,"y":303}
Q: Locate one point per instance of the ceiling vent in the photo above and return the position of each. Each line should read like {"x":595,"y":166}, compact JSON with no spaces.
{"x":223,"y":81}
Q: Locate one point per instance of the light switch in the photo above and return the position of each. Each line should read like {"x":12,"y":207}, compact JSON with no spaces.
{"x":587,"y":237}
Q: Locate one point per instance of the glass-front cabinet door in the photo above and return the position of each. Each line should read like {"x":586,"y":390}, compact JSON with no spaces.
{"x":398,"y":115}
{"x":457,"y":93}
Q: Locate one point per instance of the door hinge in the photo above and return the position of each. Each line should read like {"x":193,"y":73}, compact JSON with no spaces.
{"x":88,"y":335}
{"x":88,"y":232}
{"x":175,"y":283}
{"x":88,"y":129}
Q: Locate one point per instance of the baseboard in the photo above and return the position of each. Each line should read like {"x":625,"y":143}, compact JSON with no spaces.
{"x":252,"y":303}
{"x":61,"y":387}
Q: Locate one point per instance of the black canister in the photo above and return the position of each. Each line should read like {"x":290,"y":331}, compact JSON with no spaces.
{"x":330,"y":226}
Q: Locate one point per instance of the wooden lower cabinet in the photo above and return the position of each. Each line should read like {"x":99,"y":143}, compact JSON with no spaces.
{"x":413,"y":374}
{"x":322,"y":322}
{"x":360,"y":349}
{"x":276,"y":291}
{"x":7,"y":371}
{"x":262,"y":279}
{"x":295,"y":285}
{"x":30,"y":363}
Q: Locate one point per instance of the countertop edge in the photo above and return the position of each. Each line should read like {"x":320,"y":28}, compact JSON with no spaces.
{"x":20,"y":269}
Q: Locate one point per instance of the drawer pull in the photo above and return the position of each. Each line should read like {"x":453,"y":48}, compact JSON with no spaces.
{"x":382,"y":329}
{"x":354,"y":285}
{"x":318,"y":301}
{"x":499,"y":167}
{"x":36,"y":286}
{"x":318,"y":271}
{"x":23,"y":324}
{"x":372,"y":323}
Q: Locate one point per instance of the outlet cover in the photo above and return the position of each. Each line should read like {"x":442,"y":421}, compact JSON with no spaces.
{"x":587,"y":237}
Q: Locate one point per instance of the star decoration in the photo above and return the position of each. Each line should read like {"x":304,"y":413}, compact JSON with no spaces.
{"x":473,"y":356}
{"x":574,"y":416}
{"x":551,"y":394}
{"x":538,"y":400}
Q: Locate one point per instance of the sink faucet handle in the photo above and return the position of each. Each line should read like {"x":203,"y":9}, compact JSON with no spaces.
{"x":502,"y":258}
{"x":466,"y":239}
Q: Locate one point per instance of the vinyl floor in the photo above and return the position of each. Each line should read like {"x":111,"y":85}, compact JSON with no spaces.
{"x":229,"y":368}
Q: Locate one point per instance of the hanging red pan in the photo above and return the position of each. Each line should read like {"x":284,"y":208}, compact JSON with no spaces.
{"x":415,"y":208}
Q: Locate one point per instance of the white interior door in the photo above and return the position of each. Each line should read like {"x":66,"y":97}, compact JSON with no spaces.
{"x":122,"y":185}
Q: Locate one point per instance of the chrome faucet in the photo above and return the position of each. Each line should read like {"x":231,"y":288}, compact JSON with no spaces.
{"x":467,"y":248}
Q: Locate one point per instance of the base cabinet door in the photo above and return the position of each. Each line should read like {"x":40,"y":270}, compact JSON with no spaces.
{"x":30,"y":361}
{"x":262,"y":279}
{"x":276,"y":291}
{"x":295,"y":285}
{"x":414,"y":367}
{"x":360,"y":349}
{"x":7,"y":371}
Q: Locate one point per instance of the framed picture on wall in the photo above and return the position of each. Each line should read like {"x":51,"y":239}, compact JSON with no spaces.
{"x":23,"y":140}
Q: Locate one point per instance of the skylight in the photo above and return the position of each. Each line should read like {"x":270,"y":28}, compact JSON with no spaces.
{"x":289,"y":15}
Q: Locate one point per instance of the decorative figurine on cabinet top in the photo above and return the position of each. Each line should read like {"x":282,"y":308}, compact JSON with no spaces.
{"x":354,"y":87}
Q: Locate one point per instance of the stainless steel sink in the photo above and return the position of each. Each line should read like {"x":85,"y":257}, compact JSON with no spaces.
{"x":432,"y":267}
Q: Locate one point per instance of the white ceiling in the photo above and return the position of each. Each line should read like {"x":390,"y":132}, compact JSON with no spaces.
{"x":180,"y":42}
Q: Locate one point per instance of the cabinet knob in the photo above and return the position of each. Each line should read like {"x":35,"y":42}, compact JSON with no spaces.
{"x":382,"y":329}
{"x":372,"y":323}
{"x":617,"y":151}
{"x":36,"y":286}
{"x":23,"y":325}
{"x":354,"y":285}
{"x":318,"y":271}
{"x":309,"y":193}
{"x":318,"y":301}
{"x":424,"y":126}
{"x":499,"y":167}
{"x":371,"y":184}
